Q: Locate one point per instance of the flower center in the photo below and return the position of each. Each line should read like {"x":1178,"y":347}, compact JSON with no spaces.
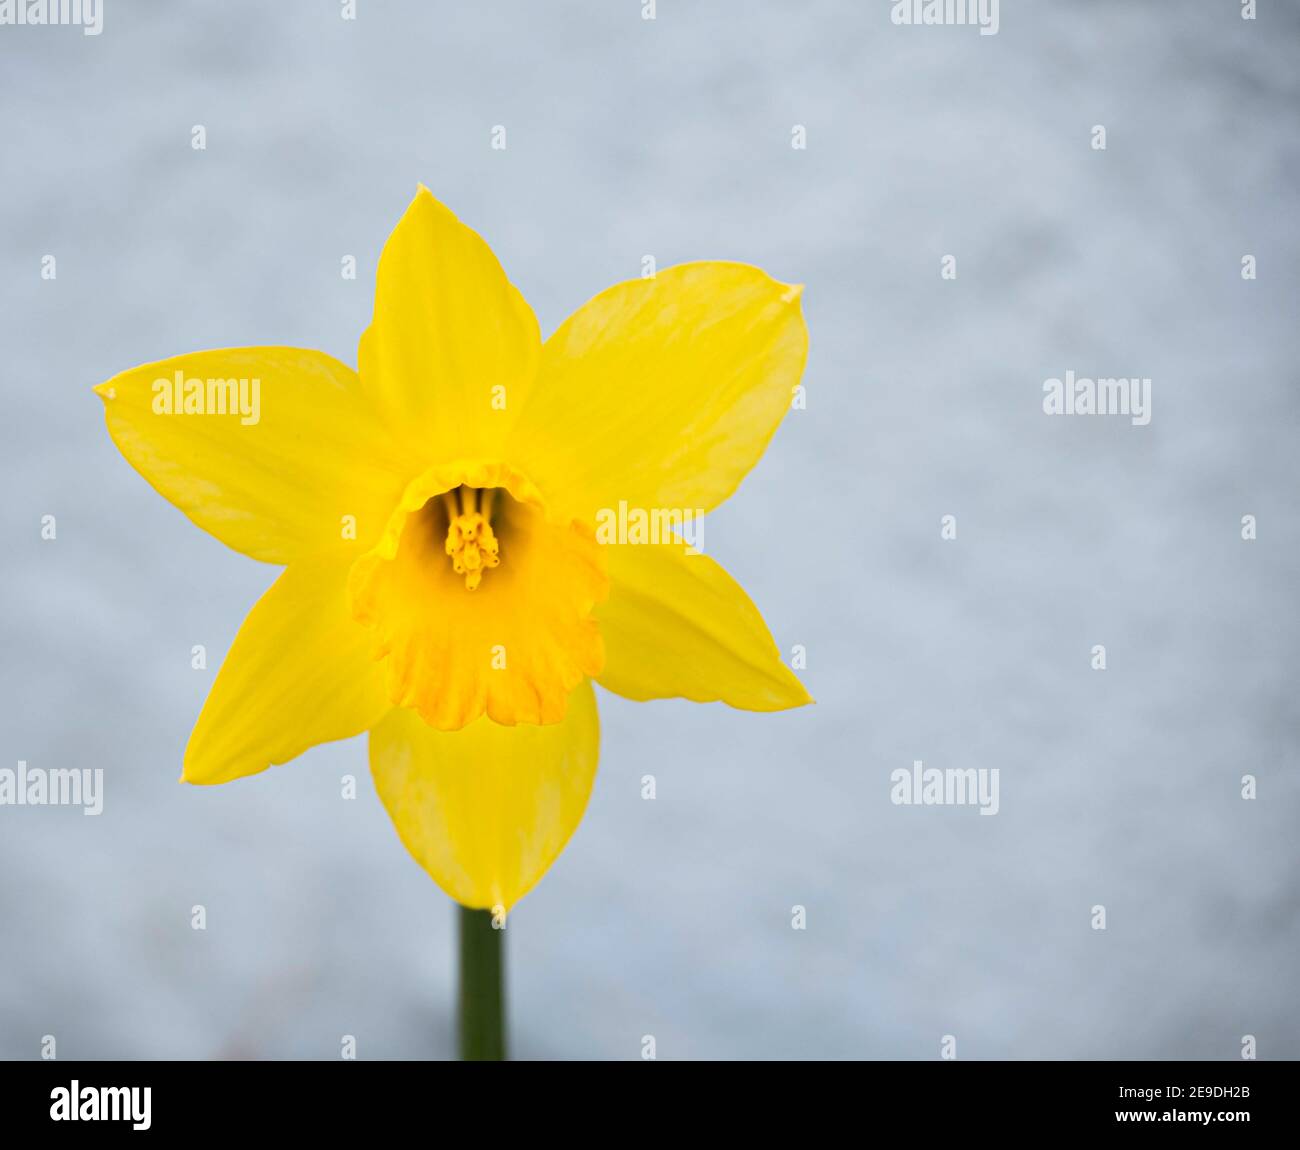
{"x":470,"y":542}
{"x":515,"y":649}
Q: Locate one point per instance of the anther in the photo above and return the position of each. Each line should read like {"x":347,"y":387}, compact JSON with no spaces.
{"x":470,"y":541}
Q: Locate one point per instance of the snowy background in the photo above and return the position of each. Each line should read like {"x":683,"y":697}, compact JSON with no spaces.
{"x":672,"y":137}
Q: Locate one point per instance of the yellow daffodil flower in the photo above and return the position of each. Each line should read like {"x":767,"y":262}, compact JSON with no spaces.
{"x":435,"y":512}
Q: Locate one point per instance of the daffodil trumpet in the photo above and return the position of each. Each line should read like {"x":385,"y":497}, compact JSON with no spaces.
{"x":436,"y":516}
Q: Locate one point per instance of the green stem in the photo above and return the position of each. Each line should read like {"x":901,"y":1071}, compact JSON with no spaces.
{"x":482,"y":988}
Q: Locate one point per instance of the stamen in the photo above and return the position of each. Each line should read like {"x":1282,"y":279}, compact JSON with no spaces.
{"x":470,"y":541}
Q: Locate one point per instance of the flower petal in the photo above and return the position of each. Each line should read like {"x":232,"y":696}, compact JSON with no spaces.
{"x":453,"y":347}
{"x":677,"y":625}
{"x":663,"y":392}
{"x":487,"y":809}
{"x":300,"y":672}
{"x":271,"y":470}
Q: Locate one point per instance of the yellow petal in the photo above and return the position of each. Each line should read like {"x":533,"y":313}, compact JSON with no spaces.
{"x":453,"y":347}
{"x":663,"y":392}
{"x":678,"y":626}
{"x":299,"y":673}
{"x":487,"y":809}
{"x":270,"y":449}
